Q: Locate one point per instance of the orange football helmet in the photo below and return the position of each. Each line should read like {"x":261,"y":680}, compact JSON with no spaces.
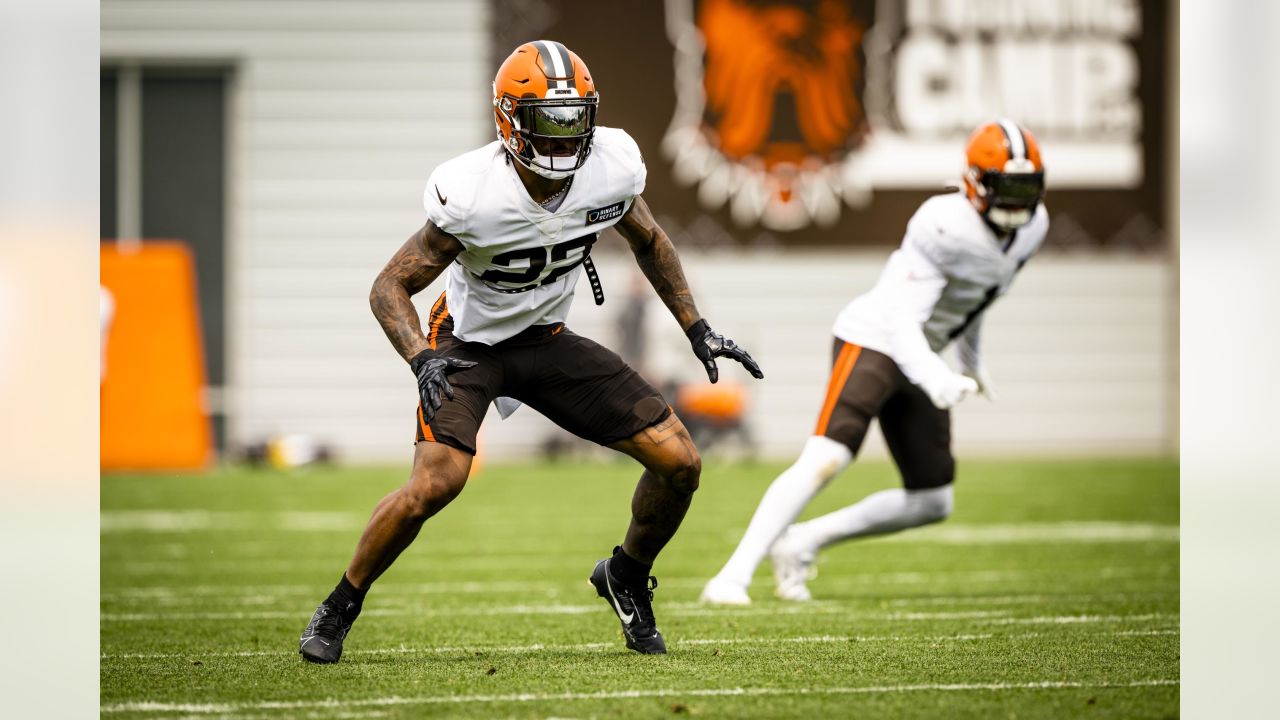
{"x":544,"y":108}
{"x":1005,"y":176}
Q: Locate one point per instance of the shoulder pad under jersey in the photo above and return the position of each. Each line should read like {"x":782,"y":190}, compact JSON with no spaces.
{"x":622,"y":159}
{"x":450,"y":195}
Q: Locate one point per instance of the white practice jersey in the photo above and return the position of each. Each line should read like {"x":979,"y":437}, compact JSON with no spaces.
{"x":936,"y":286}
{"x":520,"y":261}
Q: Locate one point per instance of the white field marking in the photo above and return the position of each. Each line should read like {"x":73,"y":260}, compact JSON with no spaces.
{"x":1076,"y":619}
{"x":195,"y":592}
{"x":146,"y":706}
{"x":1024,"y":599}
{"x":383,"y":612}
{"x":683,"y":609}
{"x":961,"y":615}
{"x":275,"y":564}
{"x":288,"y":600}
{"x":993,"y":576}
{"x":495,"y":586}
{"x":187,"y":520}
{"x":336,"y":715}
{"x":320,"y":521}
{"x":678,"y":609}
{"x":541,"y":647}
{"x":960,"y":534}
{"x":424,"y":564}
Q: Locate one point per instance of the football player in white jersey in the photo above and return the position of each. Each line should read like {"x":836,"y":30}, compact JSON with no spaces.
{"x":961,"y":251}
{"x":511,"y":225}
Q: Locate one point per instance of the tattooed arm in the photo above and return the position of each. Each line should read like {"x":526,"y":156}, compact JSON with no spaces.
{"x":657,"y":257}
{"x":419,"y":261}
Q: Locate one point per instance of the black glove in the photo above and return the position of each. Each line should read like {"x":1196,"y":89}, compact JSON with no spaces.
{"x":431,"y":370}
{"x":708,"y":346}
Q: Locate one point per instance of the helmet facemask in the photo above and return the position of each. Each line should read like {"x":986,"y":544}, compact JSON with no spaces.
{"x":1010,"y":197}
{"x":550,"y":137}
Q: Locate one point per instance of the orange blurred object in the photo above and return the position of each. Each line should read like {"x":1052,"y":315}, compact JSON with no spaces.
{"x":153,"y":412}
{"x":720,"y":404}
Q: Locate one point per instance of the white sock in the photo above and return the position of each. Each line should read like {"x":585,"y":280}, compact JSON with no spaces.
{"x":820,"y":460}
{"x":879,"y":513}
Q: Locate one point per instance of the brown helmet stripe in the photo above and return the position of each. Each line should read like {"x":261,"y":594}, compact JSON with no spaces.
{"x":556,"y":59}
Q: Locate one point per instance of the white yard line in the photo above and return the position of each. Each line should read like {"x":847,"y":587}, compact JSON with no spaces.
{"x":540,"y":647}
{"x":1030,"y":599}
{"x":1076,"y":619}
{"x":617,"y":695}
{"x":166,"y":592}
{"x":962,"y":615}
{"x":188,"y":520}
{"x":123,"y":603}
{"x":686,"y":609}
{"x":112,"y":521}
{"x":497,"y":610}
{"x":961,"y":534}
{"x":679,"y":609}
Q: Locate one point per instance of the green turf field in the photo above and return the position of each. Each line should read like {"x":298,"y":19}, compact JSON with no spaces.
{"x":1052,"y":592}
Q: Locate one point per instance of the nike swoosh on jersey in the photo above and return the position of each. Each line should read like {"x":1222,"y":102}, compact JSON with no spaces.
{"x":626,"y":618}
{"x":443,"y":200}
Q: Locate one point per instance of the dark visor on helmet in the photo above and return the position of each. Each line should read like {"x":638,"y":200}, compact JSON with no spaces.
{"x":567,"y":119}
{"x":1014,"y":190}
{"x":562,"y":121}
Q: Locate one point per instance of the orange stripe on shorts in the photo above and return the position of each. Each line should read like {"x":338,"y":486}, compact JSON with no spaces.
{"x":435,"y":324}
{"x":431,"y":316}
{"x":426,"y":429}
{"x":839,"y":376}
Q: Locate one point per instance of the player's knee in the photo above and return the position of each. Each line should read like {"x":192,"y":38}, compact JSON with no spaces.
{"x":933,"y":505}
{"x":687,"y":473}
{"x":429,"y":494}
{"x":822,"y":459}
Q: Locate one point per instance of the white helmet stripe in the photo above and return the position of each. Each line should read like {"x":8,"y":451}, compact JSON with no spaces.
{"x":559,"y":61}
{"x":1017,"y":145}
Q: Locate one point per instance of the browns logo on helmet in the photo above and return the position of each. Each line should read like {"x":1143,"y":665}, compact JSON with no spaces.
{"x":544,"y":107}
{"x":1005,"y":176}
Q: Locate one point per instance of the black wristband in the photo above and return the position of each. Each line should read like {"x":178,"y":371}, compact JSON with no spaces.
{"x":697,"y":330}
{"x":420,"y":358}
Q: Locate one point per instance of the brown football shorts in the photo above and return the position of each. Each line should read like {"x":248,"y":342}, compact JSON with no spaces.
{"x":575,"y":382}
{"x":866,"y":384}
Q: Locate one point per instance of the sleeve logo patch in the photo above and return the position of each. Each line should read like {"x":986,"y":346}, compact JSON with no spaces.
{"x":604,"y":214}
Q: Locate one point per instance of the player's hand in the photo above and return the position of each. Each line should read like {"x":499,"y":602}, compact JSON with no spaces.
{"x":708,"y":345}
{"x":432,"y":372}
{"x":983,"y":378}
{"x":951,"y":390}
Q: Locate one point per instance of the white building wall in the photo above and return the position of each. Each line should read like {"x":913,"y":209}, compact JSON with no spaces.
{"x":340,"y":109}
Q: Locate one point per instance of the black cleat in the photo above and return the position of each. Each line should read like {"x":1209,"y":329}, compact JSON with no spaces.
{"x":634,"y":608}
{"x":321,"y":642}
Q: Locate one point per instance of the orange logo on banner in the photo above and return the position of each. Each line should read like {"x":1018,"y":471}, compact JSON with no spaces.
{"x":768,"y":111}
{"x":756,"y":51}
